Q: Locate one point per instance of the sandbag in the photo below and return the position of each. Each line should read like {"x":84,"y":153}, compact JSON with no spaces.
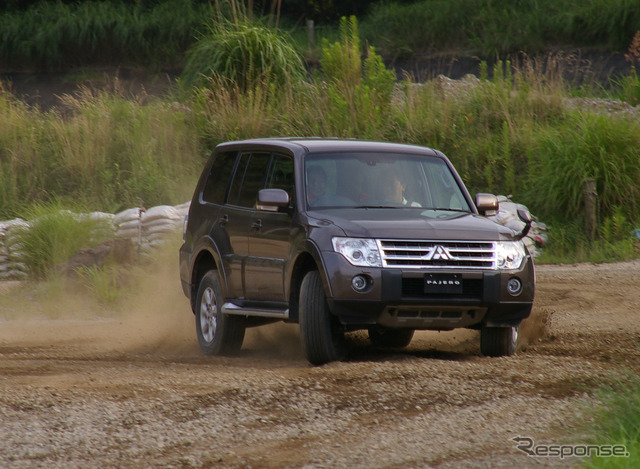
{"x":127,"y":215}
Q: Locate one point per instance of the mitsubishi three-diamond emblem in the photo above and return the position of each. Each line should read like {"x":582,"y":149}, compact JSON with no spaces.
{"x":438,"y":254}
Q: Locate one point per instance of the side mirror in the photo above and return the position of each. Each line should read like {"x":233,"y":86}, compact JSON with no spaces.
{"x":271,"y":200}
{"x":486,"y":203}
{"x":525,"y":216}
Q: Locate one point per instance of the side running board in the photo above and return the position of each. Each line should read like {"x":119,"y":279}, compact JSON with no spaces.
{"x":230,"y":308}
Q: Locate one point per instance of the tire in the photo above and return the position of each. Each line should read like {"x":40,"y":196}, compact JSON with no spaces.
{"x":322,"y":339}
{"x":385,"y":337}
{"x":218,"y":334}
{"x":499,"y":341}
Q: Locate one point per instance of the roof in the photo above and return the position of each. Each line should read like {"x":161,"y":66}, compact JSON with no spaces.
{"x":317,"y":144}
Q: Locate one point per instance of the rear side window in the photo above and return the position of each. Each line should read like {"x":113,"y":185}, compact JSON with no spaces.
{"x":215,"y":188}
{"x":249,"y":179}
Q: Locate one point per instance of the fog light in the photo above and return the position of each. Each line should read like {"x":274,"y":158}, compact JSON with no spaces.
{"x":359,"y":283}
{"x":514,"y":286}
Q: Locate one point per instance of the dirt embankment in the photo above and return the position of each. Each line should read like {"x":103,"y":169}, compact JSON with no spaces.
{"x":136,"y":392}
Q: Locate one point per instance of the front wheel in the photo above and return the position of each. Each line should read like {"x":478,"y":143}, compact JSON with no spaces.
{"x":218,"y":333}
{"x":499,"y":341}
{"x":322,"y":338}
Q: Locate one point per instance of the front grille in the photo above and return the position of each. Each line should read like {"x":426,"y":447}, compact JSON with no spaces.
{"x":437,"y":254}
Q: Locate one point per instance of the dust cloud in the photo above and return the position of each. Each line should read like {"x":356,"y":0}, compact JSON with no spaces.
{"x":153,"y":316}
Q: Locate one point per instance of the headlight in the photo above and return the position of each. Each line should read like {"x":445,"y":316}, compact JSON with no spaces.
{"x":510,"y":254}
{"x":358,"y":251}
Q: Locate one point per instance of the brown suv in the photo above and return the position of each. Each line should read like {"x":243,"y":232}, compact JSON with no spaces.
{"x":343,"y":235}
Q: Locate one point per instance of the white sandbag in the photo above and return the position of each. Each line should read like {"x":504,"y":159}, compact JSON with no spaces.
{"x":101,"y":216}
{"x":161,"y":222}
{"x":19,"y":267}
{"x":129,"y":225}
{"x":17,"y":256}
{"x":14,"y":275}
{"x":183,"y":209}
{"x":161,"y":211}
{"x":127,"y":215}
{"x":128,"y":234}
{"x":14,"y":226}
{"x":515,"y":225}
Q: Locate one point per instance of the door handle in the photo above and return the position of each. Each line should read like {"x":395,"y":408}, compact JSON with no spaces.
{"x":224,"y":219}
{"x":256,"y":225}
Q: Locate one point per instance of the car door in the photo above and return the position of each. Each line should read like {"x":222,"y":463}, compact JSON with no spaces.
{"x":236,"y":217}
{"x":270,"y":238}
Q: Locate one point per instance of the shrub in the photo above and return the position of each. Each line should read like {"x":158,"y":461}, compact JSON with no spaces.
{"x":54,"y":235}
{"x":358,"y":92}
{"x":242,"y":53}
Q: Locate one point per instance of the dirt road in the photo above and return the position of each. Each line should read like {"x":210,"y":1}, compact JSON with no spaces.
{"x":134,"y":391}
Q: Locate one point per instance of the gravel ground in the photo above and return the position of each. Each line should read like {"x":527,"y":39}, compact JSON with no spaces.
{"x":135,"y":391}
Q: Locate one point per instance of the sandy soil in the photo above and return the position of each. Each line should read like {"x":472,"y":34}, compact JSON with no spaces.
{"x":134,"y":391}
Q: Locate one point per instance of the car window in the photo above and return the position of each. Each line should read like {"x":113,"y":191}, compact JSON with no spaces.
{"x":381,"y":180}
{"x":281,"y":174}
{"x":249,"y":179}
{"x":215,"y":187}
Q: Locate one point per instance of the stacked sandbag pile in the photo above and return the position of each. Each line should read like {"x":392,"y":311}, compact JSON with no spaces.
{"x":128,"y":224}
{"x":12,"y":256}
{"x":508,"y":216}
{"x":159,"y":224}
{"x":145,"y":228}
{"x":152,"y":227}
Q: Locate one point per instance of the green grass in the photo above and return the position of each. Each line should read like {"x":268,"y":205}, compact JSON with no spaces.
{"x":617,"y":422}
{"x":56,"y":35}
{"x":508,"y":132}
{"x":102,"y":282}
{"x":499,"y":27}
{"x":241,"y":53}
{"x":54,"y":235}
{"x":102,"y":149}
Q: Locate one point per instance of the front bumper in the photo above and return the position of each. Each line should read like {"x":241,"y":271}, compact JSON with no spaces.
{"x":398,"y":298}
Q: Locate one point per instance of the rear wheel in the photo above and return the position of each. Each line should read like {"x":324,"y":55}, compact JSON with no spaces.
{"x":499,"y":341}
{"x":385,"y":337}
{"x":218,"y":334}
{"x":322,"y":338}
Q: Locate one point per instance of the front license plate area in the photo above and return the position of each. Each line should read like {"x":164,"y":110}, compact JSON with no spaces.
{"x":450,"y":284}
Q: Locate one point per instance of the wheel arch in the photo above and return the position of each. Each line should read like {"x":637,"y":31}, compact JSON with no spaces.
{"x":307,"y":261}
{"x":203,"y":263}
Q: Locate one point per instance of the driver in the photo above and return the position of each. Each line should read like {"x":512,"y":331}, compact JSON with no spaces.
{"x":393,"y":190}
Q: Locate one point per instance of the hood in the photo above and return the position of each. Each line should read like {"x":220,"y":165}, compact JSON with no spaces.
{"x":413,"y":223}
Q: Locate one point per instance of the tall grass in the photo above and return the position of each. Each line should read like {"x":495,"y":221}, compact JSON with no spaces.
{"x":103,"y":150}
{"x":507,"y":132}
{"x":511,"y":133}
{"x":242,"y":53}
{"x":587,"y":146}
{"x":56,"y":35}
{"x":54,"y":235}
{"x":499,"y":27}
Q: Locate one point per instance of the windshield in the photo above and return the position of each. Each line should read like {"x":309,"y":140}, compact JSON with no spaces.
{"x":381,"y":180}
